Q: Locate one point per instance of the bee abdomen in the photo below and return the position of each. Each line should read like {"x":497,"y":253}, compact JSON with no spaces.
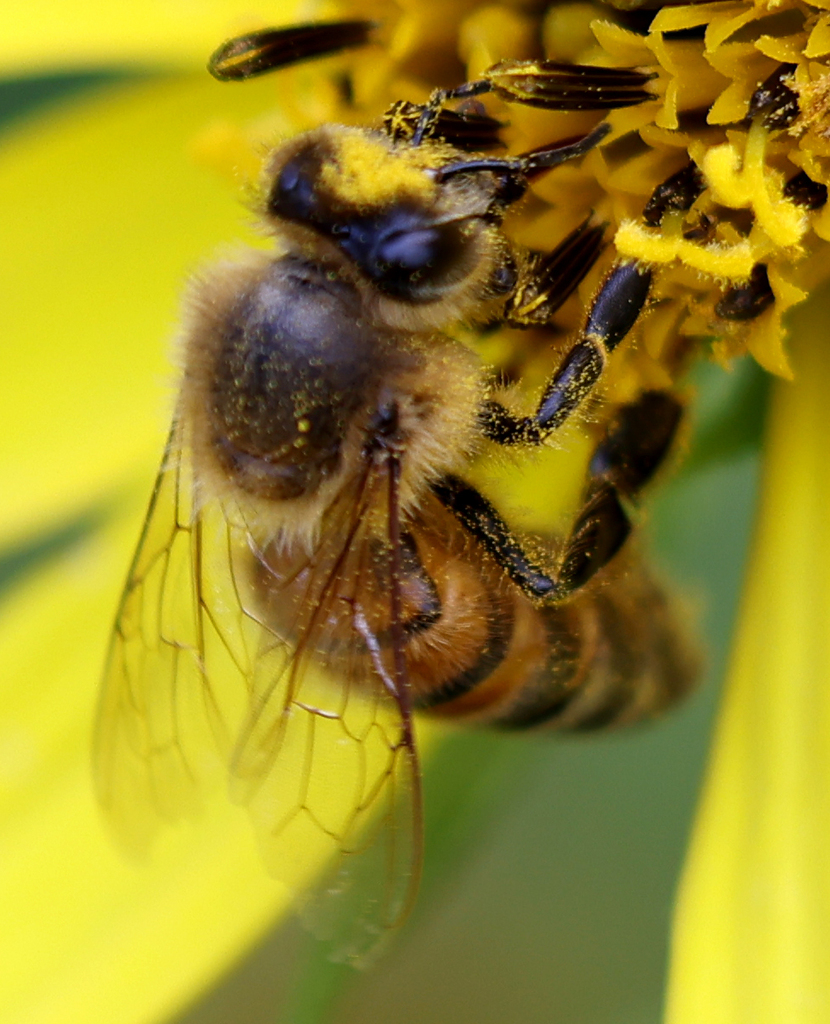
{"x":609,"y":657}
{"x":628,"y":660}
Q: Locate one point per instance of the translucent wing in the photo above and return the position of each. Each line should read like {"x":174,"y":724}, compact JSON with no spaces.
{"x":234,"y":652}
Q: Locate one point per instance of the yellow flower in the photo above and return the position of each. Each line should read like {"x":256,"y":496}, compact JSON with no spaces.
{"x":108,"y":204}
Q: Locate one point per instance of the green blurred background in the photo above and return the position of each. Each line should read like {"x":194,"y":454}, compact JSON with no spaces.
{"x":551,"y":862}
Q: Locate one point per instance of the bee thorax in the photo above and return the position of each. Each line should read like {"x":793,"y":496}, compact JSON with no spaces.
{"x":293,"y":362}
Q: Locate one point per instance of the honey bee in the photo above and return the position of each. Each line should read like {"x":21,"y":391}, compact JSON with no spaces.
{"x":315,"y":566}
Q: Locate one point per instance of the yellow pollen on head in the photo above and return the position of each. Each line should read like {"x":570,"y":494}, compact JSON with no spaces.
{"x":364,"y":172}
{"x":303,"y":425}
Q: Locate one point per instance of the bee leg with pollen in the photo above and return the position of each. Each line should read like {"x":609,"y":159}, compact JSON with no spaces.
{"x":636,"y":442}
{"x":579,"y":657}
{"x":633,"y":447}
{"x":613,"y":313}
{"x":600,"y":530}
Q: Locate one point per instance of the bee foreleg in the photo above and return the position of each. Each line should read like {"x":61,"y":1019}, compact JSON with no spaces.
{"x":514,"y":173}
{"x":676,"y":193}
{"x":612,"y":315}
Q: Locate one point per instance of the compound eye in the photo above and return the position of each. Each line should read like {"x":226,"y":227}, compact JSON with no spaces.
{"x":409,"y":250}
{"x":405,"y":255}
{"x":293,"y":196}
{"x":419,"y":264}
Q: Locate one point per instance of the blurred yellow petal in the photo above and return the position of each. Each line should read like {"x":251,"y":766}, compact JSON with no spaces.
{"x":88,"y":936}
{"x":109,"y":212}
{"x":50,"y":35}
{"x":752,"y":934}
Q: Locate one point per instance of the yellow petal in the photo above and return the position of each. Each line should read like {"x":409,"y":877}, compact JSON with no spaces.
{"x":675,"y":19}
{"x":752,"y":932}
{"x":63,"y":34}
{"x":725,"y":23}
{"x":819,"y":42}
{"x":90,"y":937}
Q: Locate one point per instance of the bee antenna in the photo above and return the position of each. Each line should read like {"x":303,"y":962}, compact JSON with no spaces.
{"x":526,"y":165}
{"x":257,"y":53}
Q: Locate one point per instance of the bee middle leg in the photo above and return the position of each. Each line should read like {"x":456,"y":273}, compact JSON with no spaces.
{"x":633,"y":447}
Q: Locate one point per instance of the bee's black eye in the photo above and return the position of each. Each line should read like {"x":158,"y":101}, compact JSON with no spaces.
{"x":293,"y":193}
{"x":403,"y":253}
{"x":410,"y":250}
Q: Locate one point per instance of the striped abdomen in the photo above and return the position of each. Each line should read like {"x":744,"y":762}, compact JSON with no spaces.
{"x":609,"y":655}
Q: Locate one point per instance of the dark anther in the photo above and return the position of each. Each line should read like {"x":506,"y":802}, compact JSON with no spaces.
{"x":702,"y":231}
{"x":676,"y":193}
{"x":260,"y":52}
{"x":803,"y":191}
{"x":775,"y":100}
{"x":557,"y":86}
{"x":747,"y":301}
{"x":550,"y":277}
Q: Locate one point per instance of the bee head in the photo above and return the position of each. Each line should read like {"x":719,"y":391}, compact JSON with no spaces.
{"x":385,"y":209}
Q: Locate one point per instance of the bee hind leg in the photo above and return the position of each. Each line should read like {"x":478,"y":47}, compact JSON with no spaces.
{"x":636,"y":442}
{"x":633,"y":447}
{"x":600,"y":530}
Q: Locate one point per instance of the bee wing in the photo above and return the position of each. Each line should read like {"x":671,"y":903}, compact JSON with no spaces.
{"x":326,"y":753}
{"x":160,"y":731}
{"x":230,"y":653}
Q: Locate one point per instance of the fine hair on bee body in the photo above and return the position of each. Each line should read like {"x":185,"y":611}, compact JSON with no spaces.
{"x":315,"y":565}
